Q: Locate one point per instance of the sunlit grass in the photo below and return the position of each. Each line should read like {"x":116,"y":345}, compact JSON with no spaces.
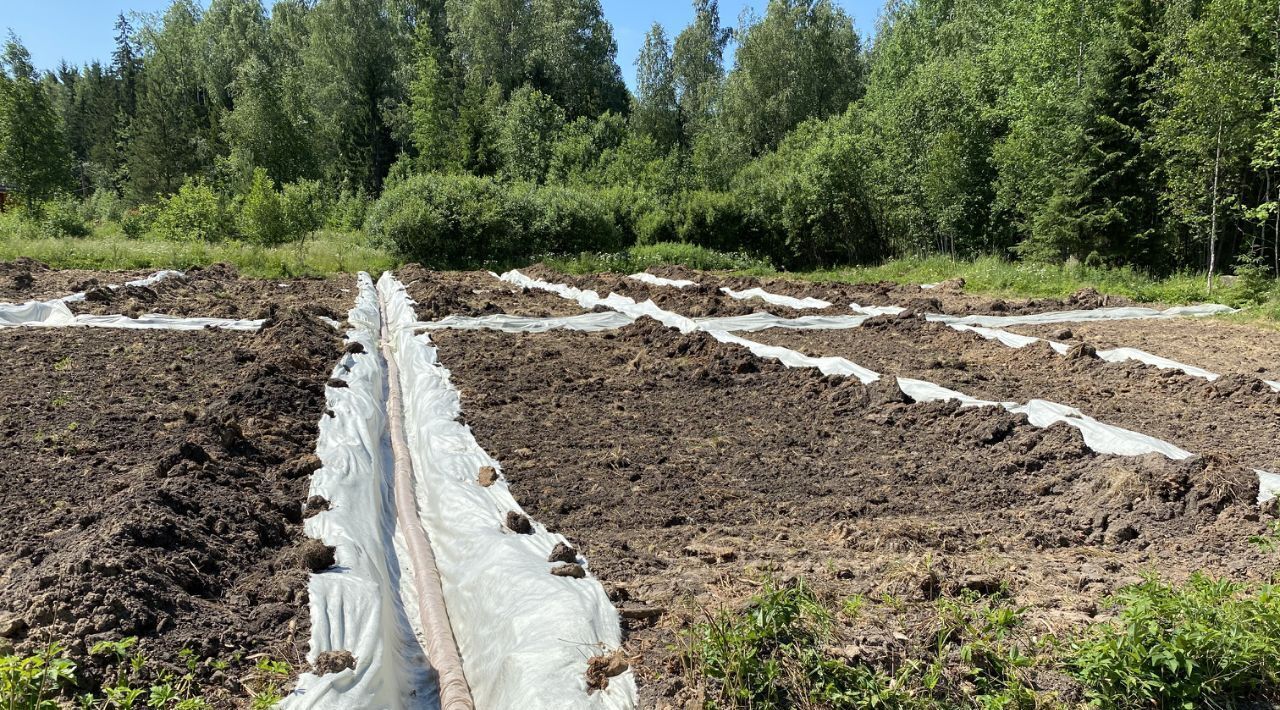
{"x":323,"y":253}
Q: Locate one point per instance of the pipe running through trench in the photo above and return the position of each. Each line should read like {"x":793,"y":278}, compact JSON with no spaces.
{"x":441,"y":646}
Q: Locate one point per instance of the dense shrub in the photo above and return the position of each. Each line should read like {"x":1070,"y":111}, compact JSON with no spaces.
{"x":261,"y":218}
{"x":349,"y":211}
{"x":450,"y":220}
{"x":305,"y":204}
{"x":195,"y":213}
{"x":60,"y":217}
{"x":715,"y":220}
{"x":104,"y":205}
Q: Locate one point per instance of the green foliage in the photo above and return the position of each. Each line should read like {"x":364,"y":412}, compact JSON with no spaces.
{"x":305,"y":204}
{"x":530,"y":125}
{"x":458,"y":219}
{"x":33,"y":153}
{"x":639,"y":258}
{"x":1208,"y":643}
{"x":34,"y":682}
{"x":61,"y":217}
{"x":195,"y":213}
{"x":261,"y":218}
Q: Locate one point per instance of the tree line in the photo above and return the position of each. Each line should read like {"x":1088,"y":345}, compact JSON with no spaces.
{"x":1126,"y":132}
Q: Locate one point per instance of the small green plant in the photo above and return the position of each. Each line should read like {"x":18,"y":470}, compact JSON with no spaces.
{"x":1208,"y":643}
{"x":34,"y":682}
{"x":1269,"y":541}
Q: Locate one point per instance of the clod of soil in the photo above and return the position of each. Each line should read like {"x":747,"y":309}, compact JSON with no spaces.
{"x":518,"y":522}
{"x":601,"y":668}
{"x":562,"y":553}
{"x":572,"y":569}
{"x":1082,"y":351}
{"x":336,"y":382}
{"x":333,"y":662}
{"x":488,"y":476}
{"x":354,"y":348}
{"x":316,"y":556}
{"x":314,"y":506}
{"x":303,"y":466}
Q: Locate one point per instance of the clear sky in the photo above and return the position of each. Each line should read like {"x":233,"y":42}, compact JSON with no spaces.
{"x":80,"y":31}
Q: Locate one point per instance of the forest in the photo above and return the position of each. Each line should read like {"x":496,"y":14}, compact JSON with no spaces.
{"x":1140,"y":133}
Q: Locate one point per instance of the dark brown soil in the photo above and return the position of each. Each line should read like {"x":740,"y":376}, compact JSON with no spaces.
{"x":440,"y":294}
{"x":153,"y":485}
{"x":686,"y":472}
{"x":219,"y":291}
{"x":949,"y":297}
{"x":1236,"y":415}
{"x":26,"y":279}
{"x":1212,"y":343}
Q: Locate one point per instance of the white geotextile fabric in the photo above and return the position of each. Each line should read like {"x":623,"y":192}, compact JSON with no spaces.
{"x":151,"y":280}
{"x":55,"y":314}
{"x":356,"y":606}
{"x":525,"y":635}
{"x":1268,"y":485}
{"x":588,"y":322}
{"x":763,"y":321}
{"x":660,"y":281}
{"x":776,"y":299}
{"x":1096,"y":314}
{"x":591,"y":299}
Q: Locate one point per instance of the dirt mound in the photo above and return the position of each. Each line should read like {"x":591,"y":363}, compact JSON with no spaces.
{"x":219,"y":291}
{"x":192,"y":538}
{"x":1088,"y":299}
{"x":439,"y":294}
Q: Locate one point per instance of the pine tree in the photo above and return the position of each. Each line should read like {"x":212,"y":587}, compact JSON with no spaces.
{"x":433,"y":107}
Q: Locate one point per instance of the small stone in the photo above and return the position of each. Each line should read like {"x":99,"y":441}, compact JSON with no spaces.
{"x":563,"y":553}
{"x":572,"y":569}
{"x":519,"y":522}
{"x":488,"y":476}
{"x":334,"y":662}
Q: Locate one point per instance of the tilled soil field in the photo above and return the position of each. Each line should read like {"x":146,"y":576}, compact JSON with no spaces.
{"x":219,"y":291}
{"x":948,"y":297}
{"x":30,"y":280}
{"x":440,"y":294}
{"x":688,"y":471}
{"x":153,"y":487}
{"x":1217,"y":345}
{"x":1236,"y":416}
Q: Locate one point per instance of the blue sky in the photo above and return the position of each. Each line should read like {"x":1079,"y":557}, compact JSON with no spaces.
{"x":82,"y":30}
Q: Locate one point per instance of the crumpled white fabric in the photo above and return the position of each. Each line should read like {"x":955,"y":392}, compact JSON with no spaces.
{"x":1084,"y":316}
{"x":525,"y":635}
{"x":359,"y":605}
{"x":649,"y":278}
{"x":776,"y":299}
{"x":151,"y":280}
{"x":586,"y":322}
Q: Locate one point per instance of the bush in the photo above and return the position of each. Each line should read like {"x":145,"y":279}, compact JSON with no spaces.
{"x":60,"y":217}
{"x":713,"y":219}
{"x":641,"y":257}
{"x":195,"y":213}
{"x":305,"y":203}
{"x":1204,"y":644}
{"x":138,"y":221}
{"x":349,"y":212}
{"x":104,"y":205}
{"x":454,"y":220}
{"x":262,"y":218}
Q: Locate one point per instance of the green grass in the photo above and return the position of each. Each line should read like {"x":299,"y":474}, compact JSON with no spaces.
{"x":1205,"y":643}
{"x":326,"y":252}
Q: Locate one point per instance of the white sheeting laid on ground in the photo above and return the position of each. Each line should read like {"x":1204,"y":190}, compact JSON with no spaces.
{"x":1268,"y":485}
{"x":776,"y":299}
{"x":357,"y":605}
{"x":1085,"y":316}
{"x":147,"y":282}
{"x":587,"y":322}
{"x":591,"y":299}
{"x":660,"y":281}
{"x":525,"y":634}
{"x":763,"y":321}
{"x":55,"y":314}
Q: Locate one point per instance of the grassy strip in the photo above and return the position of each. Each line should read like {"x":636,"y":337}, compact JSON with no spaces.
{"x":326,"y":252}
{"x":639,"y":258}
{"x":1205,"y":643}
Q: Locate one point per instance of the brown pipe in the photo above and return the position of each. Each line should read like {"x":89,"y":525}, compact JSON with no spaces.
{"x":442,"y":647}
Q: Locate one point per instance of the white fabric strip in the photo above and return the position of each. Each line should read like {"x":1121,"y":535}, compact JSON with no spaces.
{"x":776,"y":299}
{"x":149,"y":281}
{"x":1097,"y":314}
{"x":358,"y":606}
{"x":587,"y":322}
{"x":649,"y":278}
{"x":525,"y":635}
